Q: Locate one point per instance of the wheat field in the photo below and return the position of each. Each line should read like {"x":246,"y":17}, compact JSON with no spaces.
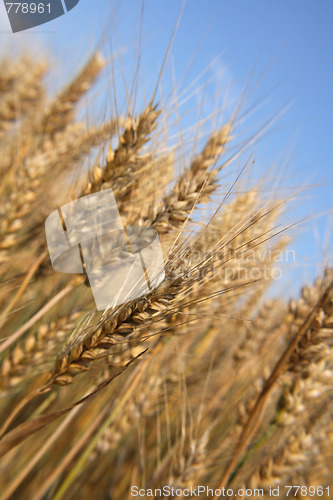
{"x":206,"y":379}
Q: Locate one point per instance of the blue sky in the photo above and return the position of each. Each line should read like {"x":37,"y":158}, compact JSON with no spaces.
{"x":286,"y":44}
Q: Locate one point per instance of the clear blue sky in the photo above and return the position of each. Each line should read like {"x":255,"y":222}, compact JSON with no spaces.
{"x":288,"y":42}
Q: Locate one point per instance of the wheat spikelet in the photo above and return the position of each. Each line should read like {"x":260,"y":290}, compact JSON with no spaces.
{"x":192,"y":187}
{"x":295,"y":463}
{"x":190,"y":463}
{"x":61,"y":111}
{"x":36,"y":351}
{"x":121,"y":321}
{"x":125,"y":165}
{"x":311,"y":366}
{"x":21,"y":89}
{"x":65,"y":149}
{"x":308,"y":379}
{"x":10,"y":72}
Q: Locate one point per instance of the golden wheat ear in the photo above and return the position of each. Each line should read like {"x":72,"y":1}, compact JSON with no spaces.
{"x":62,"y":110}
{"x":21,"y":89}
